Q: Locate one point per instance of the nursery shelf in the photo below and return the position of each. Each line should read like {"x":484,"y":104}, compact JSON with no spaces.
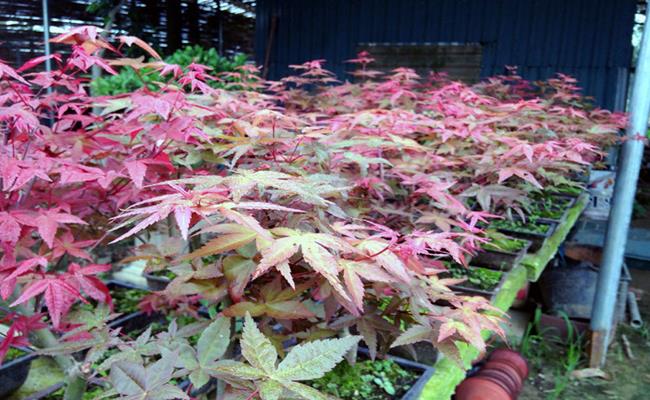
{"x":536,"y":262}
{"x":447,"y":373}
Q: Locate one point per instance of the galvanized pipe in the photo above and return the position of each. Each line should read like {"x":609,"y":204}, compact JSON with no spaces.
{"x":635,"y":316}
{"x":46,"y":39}
{"x":46,"y":34}
{"x":621,"y":212}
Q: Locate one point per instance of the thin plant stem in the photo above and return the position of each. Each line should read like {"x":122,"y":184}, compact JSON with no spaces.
{"x":75,"y":381}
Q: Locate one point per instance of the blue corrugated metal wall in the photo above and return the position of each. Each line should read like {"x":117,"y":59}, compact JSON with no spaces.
{"x":589,"y":39}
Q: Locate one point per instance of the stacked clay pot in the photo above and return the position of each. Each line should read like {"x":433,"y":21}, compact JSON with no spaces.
{"x":501,"y":378}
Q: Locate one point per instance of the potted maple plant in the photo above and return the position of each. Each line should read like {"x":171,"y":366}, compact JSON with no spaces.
{"x":533,"y":229}
{"x":551,"y":208}
{"x":474,"y":280}
{"x":126,"y":300}
{"x":501,"y":252}
{"x":158,"y":280}
{"x":156,"y":256}
{"x":388,"y":378}
{"x":314,"y":213}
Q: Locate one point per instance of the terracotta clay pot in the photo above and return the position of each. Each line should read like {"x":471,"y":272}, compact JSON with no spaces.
{"x":498,"y":378}
{"x":477,"y":388}
{"x":506,"y":366}
{"x":513,"y":358}
{"x":507,"y":379}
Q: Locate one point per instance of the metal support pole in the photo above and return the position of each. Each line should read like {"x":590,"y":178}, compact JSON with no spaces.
{"x":620,"y":215}
{"x":46,"y":35}
{"x":46,"y":39}
{"x":220,"y":26}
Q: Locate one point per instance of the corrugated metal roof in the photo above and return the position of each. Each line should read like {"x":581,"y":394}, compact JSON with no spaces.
{"x":589,"y":39}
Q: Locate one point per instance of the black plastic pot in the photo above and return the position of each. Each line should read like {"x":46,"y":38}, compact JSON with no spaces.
{"x":155,"y":282}
{"x":211,"y":385}
{"x":118,"y":284}
{"x":566,"y":194}
{"x":488,"y":294}
{"x":425,"y":372}
{"x":569,"y":288}
{"x":500,"y":260}
{"x":554,"y":327}
{"x":14,"y":373}
{"x":570,"y":202}
{"x":536,"y":239}
{"x":136,"y":320}
{"x":420,"y":352}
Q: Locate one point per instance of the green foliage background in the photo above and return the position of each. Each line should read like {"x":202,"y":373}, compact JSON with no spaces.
{"x":128,"y":80}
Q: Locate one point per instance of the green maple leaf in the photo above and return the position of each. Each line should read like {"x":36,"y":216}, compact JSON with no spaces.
{"x":135,"y":381}
{"x":304,"y":362}
{"x":211,"y":346}
{"x":312,"y":360}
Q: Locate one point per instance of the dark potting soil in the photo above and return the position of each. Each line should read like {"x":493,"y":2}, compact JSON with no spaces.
{"x":477,"y":278}
{"x":501,"y":242}
{"x":90,"y":394}
{"x":126,"y":300}
{"x":13,"y":354}
{"x":549,"y":207}
{"x":367,"y":380}
{"x":530,"y":226}
{"x":163,"y":274}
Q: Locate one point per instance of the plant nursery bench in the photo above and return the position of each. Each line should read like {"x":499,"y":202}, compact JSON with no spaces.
{"x":447,"y":374}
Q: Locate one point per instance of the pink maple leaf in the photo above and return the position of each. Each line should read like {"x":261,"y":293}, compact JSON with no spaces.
{"x":137,"y":169}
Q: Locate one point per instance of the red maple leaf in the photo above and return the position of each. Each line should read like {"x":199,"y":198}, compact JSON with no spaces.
{"x":10,"y":272}
{"x":90,"y":284}
{"x":66,"y":244}
{"x":59,"y":296}
{"x":48,"y":222}
{"x":18,"y":332}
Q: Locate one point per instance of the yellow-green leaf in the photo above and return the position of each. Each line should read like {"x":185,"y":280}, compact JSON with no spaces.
{"x":256,"y":348}
{"x":222,"y":244}
{"x":234,"y":369}
{"x":214,"y":341}
{"x":305,"y":392}
{"x":312,"y":360}
{"x":270,"y":390}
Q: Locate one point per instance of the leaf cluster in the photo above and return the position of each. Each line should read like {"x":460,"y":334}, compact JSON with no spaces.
{"x":304,"y":203}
